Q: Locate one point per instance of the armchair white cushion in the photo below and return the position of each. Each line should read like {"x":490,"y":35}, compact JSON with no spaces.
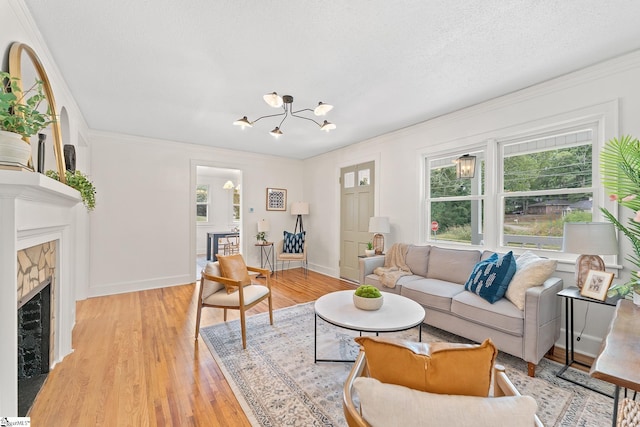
{"x":393,"y":405}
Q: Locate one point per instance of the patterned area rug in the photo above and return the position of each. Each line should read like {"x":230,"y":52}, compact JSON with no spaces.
{"x":277,"y":382}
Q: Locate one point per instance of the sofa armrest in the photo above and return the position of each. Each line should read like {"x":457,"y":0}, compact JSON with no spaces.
{"x":368,"y":264}
{"x":542,"y":313}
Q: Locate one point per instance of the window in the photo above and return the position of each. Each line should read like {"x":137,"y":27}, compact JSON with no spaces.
{"x":236,"y":205}
{"x":455,"y":204}
{"x":542,"y":181}
{"x":202,"y":203}
{"x":547,"y":181}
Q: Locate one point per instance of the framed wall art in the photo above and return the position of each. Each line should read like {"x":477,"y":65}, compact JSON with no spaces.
{"x":276,"y":199}
{"x":597,"y":285}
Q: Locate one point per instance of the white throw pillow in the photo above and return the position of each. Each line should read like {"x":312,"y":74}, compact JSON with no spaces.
{"x":386,"y":405}
{"x":211,"y":287}
{"x":531,"y":270}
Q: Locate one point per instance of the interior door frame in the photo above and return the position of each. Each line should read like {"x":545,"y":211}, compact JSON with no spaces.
{"x":372,"y":157}
{"x":193,"y":180}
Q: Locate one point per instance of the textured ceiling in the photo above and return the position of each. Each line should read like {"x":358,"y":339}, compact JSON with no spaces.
{"x":185,"y":70}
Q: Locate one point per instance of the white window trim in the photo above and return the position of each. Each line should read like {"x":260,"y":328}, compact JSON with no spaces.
{"x":604,"y":115}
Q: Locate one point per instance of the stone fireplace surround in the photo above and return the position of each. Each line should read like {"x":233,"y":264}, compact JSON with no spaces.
{"x":34,"y":210}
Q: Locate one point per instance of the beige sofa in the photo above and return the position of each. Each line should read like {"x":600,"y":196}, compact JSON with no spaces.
{"x":437,"y":283}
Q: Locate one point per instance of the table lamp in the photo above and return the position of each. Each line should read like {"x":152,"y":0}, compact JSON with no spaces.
{"x":379,"y":225}
{"x":591,"y":239}
{"x":299,"y":209}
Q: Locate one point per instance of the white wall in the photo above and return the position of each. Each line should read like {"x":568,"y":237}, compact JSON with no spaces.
{"x":16,"y":25}
{"x":143,"y":230}
{"x":612,"y":86}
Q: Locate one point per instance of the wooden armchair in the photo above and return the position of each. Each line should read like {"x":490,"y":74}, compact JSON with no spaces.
{"x":502,"y":386}
{"x":238,"y":292}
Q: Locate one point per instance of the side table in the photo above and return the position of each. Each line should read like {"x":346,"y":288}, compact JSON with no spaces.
{"x":570,"y":295}
{"x":266,"y":255}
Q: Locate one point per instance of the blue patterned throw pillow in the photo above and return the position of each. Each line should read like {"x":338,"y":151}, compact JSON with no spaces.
{"x":490,"y":278}
{"x":293,"y":243}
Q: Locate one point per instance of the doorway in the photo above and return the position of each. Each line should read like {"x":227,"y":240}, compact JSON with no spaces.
{"x":356,"y":207}
{"x":218,"y":210}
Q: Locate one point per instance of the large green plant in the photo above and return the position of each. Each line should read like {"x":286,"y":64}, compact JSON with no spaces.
{"x":80,"y":182}
{"x":19,"y":109}
{"x":620,"y":167}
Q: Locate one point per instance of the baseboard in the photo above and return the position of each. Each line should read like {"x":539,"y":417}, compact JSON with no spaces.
{"x":140,"y":285}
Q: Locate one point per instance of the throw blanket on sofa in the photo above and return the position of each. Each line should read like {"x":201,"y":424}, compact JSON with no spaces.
{"x":394,"y":265}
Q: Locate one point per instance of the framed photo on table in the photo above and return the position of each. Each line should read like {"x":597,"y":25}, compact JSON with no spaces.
{"x":597,"y":285}
{"x":276,"y":199}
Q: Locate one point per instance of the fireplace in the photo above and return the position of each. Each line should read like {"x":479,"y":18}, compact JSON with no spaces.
{"x":41,"y":224}
{"x":34,"y":341}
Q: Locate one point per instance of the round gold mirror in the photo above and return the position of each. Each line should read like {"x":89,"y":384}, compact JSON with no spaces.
{"x":16,"y":53}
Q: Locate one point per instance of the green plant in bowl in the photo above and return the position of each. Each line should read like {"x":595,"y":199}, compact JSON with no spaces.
{"x":368,"y":291}
{"x":370,"y":246}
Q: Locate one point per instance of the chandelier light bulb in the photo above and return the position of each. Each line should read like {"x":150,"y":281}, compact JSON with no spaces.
{"x":273,"y":99}
{"x":322,"y":109}
{"x":243,"y":123}
{"x":276,"y":132}
{"x":327,"y":126}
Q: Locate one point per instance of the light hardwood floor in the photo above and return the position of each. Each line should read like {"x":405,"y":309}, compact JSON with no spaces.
{"x":135,"y":361}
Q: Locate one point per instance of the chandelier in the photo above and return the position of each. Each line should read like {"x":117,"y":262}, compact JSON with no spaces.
{"x":286,"y":103}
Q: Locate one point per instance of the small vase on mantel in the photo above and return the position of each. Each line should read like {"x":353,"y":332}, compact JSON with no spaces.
{"x":14,"y":151}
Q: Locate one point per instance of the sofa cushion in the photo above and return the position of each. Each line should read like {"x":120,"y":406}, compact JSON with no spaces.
{"x":432,"y":293}
{"x":502,"y":316}
{"x":393,"y":405}
{"x":436,"y":367}
{"x":374,"y":280}
{"x":417,"y":259}
{"x":451,"y":265}
{"x":531,"y":270}
{"x":491,"y":277}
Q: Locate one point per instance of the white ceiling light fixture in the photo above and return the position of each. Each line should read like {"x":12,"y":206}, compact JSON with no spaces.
{"x":286,"y":103}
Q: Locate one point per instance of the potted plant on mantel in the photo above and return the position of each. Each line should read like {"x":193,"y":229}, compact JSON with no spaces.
{"x":20,"y":118}
{"x":620,"y":167}
{"x":80,"y":182}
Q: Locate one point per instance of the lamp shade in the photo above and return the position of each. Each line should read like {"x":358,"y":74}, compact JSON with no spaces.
{"x":592,"y":238}
{"x":228,"y":185}
{"x":300,"y":208}
{"x":379,"y":224}
{"x":264,"y":226}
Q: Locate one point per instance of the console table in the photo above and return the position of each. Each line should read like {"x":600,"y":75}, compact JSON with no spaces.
{"x":617,"y":361}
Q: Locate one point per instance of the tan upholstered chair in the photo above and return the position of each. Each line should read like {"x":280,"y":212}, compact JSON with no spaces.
{"x":502,"y":386}
{"x":282,"y":257}
{"x":232,"y":288}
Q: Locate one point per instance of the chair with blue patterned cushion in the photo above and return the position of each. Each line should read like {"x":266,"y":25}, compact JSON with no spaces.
{"x":292,"y":248}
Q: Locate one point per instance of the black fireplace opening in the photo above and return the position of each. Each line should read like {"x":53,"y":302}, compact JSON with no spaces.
{"x":34,"y":339}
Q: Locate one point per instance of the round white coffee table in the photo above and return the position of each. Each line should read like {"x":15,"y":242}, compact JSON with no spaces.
{"x":397,"y":313}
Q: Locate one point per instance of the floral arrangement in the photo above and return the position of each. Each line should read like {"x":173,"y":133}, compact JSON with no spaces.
{"x":620,"y":167}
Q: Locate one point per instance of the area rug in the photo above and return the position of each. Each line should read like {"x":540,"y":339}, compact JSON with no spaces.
{"x":277,"y":382}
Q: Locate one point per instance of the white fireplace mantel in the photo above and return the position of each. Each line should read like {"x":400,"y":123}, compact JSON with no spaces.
{"x":34,"y":209}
